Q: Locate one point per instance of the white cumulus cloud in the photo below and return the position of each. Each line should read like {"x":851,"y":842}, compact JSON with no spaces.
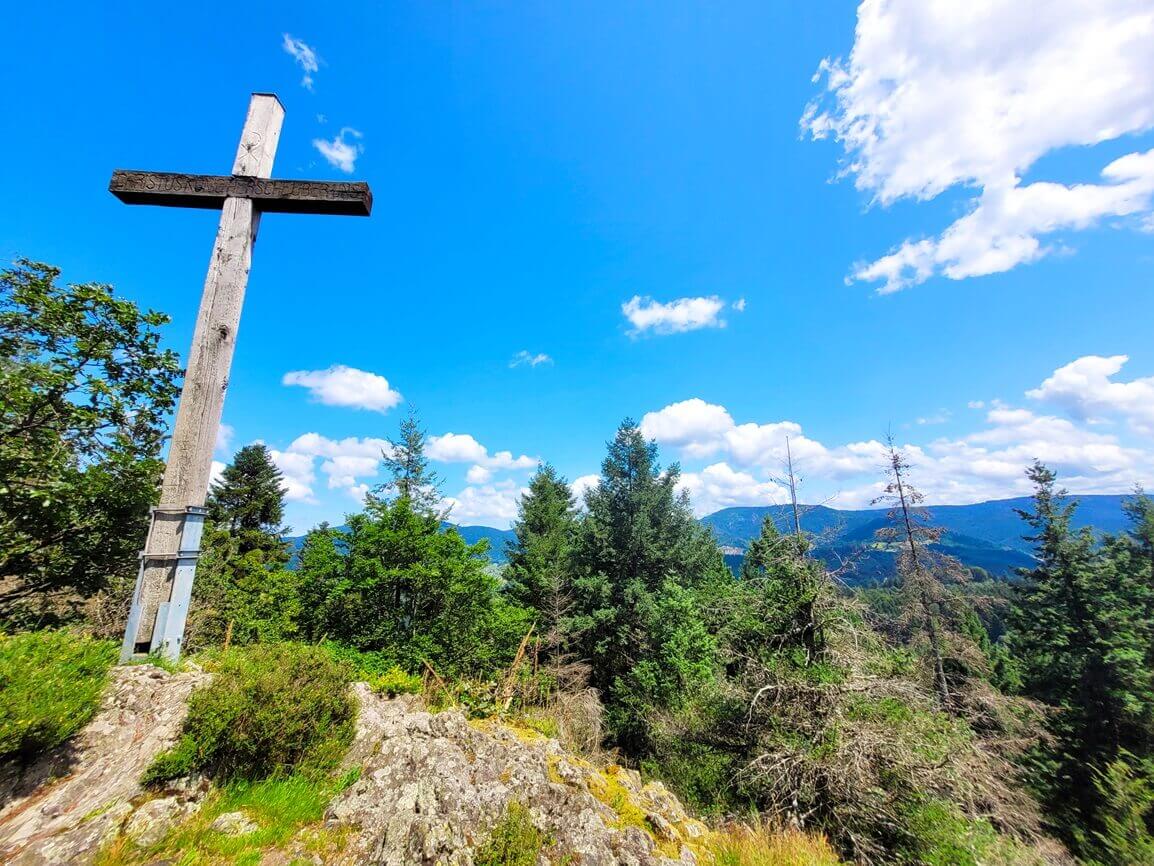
{"x":224,"y":437}
{"x":346,"y":386}
{"x":1086,"y":389}
{"x":464,"y":448}
{"x":720,"y":486}
{"x":674,"y":317}
{"x":486,"y":504}
{"x":938,"y":94}
{"x":748,"y":460}
{"x":343,"y":461}
{"x":342,"y":151}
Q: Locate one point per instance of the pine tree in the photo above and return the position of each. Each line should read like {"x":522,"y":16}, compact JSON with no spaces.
{"x":641,"y":560}
{"x":412,"y":479}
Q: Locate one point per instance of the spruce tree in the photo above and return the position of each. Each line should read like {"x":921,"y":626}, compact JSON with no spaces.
{"x":778,"y":593}
{"x":538,"y":556}
{"x":396,"y":583}
{"x":1082,"y":632}
{"x":910,"y":529}
{"x":641,"y":561}
{"x":248,"y":499}
{"x":405,"y":461}
{"x":243,"y":589}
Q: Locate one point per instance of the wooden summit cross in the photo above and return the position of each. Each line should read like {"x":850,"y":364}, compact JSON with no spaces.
{"x":168,"y":561}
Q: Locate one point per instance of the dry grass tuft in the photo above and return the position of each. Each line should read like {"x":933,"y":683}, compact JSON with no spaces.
{"x":764,"y":845}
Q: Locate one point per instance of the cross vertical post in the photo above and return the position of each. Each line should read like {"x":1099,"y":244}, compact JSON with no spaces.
{"x":168,"y":562}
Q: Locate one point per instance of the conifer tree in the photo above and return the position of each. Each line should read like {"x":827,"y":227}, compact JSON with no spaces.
{"x":1140,"y":510}
{"x":911,"y":529}
{"x":930,"y":609}
{"x":641,"y":560}
{"x":538,"y":557}
{"x":779,"y":588}
{"x":248,"y":499}
{"x":395,"y":582}
{"x":405,"y":461}
{"x":243,"y":589}
{"x":1083,"y":635}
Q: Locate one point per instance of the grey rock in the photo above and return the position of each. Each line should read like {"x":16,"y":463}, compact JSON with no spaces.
{"x":431,"y":790}
{"x":234,"y":824}
{"x":64,"y":806}
{"x":154,"y":818}
{"x":437,"y":784}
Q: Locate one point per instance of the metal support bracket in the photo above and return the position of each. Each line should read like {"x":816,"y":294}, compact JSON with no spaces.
{"x":171,"y":616}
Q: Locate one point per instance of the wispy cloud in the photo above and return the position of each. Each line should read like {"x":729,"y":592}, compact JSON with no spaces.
{"x":341,"y":152}
{"x":527,"y":357}
{"x":939,"y":417}
{"x":305,"y":56}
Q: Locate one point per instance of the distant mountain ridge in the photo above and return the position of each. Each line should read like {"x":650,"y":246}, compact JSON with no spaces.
{"x":984,"y":535}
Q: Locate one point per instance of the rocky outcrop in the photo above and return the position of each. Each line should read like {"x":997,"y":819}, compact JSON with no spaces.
{"x":431,"y":788}
{"x":62,"y":807}
{"x":434,"y":785}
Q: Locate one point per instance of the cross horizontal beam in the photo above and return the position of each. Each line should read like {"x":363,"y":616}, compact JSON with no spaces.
{"x":209,"y":191}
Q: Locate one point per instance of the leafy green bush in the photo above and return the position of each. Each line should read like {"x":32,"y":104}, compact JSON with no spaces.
{"x":50,"y":686}
{"x":270,"y":710}
{"x":513,"y":842}
{"x":396,"y":681}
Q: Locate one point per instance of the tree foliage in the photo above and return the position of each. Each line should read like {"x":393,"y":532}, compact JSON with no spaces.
{"x":1083,"y":637}
{"x":393,"y":581}
{"x":640,"y":560}
{"x":84,"y":392}
{"x":243,"y":589}
{"x":406,"y":462}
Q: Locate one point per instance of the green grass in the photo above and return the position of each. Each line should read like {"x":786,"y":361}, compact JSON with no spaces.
{"x":271,"y":710}
{"x":50,"y":687}
{"x":283,"y":809}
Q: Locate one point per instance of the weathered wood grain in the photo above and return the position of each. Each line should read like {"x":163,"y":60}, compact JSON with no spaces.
{"x":189,"y":466}
{"x":269,"y":196}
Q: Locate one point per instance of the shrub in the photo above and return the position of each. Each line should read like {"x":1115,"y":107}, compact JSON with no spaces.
{"x":514,"y":841}
{"x":270,"y":710}
{"x":50,"y":686}
{"x":396,"y":681}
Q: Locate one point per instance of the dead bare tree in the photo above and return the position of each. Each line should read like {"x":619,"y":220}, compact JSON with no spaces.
{"x":909,"y":524}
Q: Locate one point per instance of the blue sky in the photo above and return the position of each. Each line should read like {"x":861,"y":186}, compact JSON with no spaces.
{"x":732,"y":224}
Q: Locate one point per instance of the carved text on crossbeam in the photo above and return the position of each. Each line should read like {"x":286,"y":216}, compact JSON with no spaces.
{"x":270,"y":196}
